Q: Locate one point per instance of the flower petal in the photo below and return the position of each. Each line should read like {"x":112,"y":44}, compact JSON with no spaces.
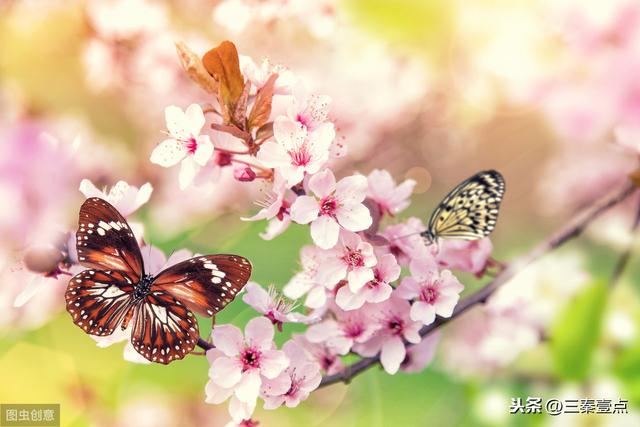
{"x":323,"y":183}
{"x":354,"y":217}
{"x":168,"y":153}
{"x":225,"y":371}
{"x":188,"y":170}
{"x":248,"y":388}
{"x":325,"y":231}
{"x":228,"y":339}
{"x":259,"y":333}
{"x":392,"y":355}
{"x":272,"y":363}
{"x":304,"y":209}
{"x":204,"y":150}
{"x":195,"y":120}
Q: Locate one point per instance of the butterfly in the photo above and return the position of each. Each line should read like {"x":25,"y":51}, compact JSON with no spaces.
{"x":115,"y":291}
{"x":469,"y":211}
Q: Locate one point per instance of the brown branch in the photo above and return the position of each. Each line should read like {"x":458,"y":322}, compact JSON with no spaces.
{"x":573,"y":228}
{"x":625,"y":256}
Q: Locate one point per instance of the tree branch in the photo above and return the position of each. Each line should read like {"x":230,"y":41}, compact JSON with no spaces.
{"x":625,"y":256}
{"x":573,"y":228}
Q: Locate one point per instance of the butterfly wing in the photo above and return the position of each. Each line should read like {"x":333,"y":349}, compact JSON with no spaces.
{"x":470,"y":211}
{"x":105,"y":241}
{"x":205,"y":284}
{"x":98,"y":300}
{"x":163,"y":329}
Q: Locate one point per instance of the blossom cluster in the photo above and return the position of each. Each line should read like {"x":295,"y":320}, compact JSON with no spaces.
{"x":262,"y":126}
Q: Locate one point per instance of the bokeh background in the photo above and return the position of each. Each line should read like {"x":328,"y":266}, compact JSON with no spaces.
{"x":544,"y":91}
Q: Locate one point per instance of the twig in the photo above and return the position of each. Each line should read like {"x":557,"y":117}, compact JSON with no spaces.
{"x":204,"y":344}
{"x":625,"y":256}
{"x":572,"y":229}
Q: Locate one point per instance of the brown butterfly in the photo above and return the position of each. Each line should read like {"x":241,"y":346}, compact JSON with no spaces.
{"x":116,"y":291}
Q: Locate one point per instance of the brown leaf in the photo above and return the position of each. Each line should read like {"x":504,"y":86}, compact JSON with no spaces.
{"x":223,"y":64}
{"x":238,"y":117}
{"x":635,"y":177}
{"x":262,"y":106}
{"x":192,"y":64}
{"x":265,"y":131}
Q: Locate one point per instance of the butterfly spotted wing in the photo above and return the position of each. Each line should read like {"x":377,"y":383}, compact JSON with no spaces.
{"x":104,"y":240}
{"x":205,"y":283}
{"x":470,"y":210}
{"x":115,"y":291}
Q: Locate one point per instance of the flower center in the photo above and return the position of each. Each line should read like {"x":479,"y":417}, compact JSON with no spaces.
{"x":303,"y":120}
{"x":328,"y":206}
{"x":377,"y":279}
{"x":353,"y":258}
{"x":429,"y":293}
{"x":301,"y":156}
{"x":395,"y":325}
{"x":353,"y":330}
{"x":295,"y":386}
{"x":250,"y":359}
{"x":191,"y":145}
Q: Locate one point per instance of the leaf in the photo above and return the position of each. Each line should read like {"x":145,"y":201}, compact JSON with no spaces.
{"x":265,"y":131}
{"x":223,"y":64}
{"x":262,"y":106}
{"x":576,"y":331}
{"x":240,"y":112}
{"x":192,"y":64}
{"x":635,"y":177}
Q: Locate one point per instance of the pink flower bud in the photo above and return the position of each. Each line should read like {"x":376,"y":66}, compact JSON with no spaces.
{"x":244,"y":174}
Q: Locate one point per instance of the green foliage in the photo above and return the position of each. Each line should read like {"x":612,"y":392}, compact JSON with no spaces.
{"x":576,"y":331}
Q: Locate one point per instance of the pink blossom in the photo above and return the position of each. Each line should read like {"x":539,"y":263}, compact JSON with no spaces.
{"x":376,"y":290}
{"x":303,"y":374}
{"x":305,"y":282}
{"x":244,"y":174}
{"x":273,"y":306}
{"x":185,"y":144}
{"x":240,"y":365}
{"x":394,"y":327}
{"x":321,"y":353}
{"x":420,"y":355}
{"x":276,"y":208}
{"x":434,"y":292}
{"x":341,"y":333}
{"x":465,"y":255}
{"x":352,"y":258}
{"x":335,"y":205}
{"x":124,"y":197}
{"x":391,"y":199}
{"x":296,"y":152}
{"x":405,"y":242}
{"x":311,"y":111}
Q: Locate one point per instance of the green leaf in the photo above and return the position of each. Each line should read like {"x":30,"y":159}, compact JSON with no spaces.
{"x":576,"y":331}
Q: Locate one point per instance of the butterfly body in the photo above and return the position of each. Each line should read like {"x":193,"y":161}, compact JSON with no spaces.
{"x":469,"y":211}
{"x":115,"y":291}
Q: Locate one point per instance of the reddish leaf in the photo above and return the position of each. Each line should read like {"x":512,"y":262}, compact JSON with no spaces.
{"x":635,"y":177}
{"x":265,"y":131}
{"x":233,"y":130}
{"x":238,"y":117}
{"x":262,"y":106}
{"x":223,"y":64}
